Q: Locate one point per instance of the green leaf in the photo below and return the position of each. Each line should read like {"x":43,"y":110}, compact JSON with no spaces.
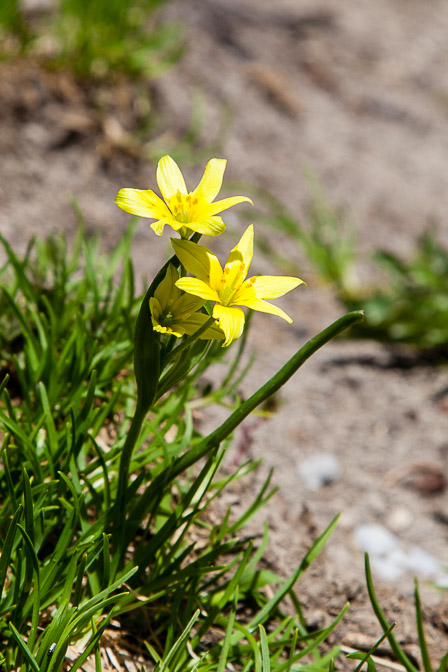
{"x":288,"y":584}
{"x":5,"y":557}
{"x":427,"y":666}
{"x":24,"y":649}
{"x":181,"y":641}
{"x":396,"y":648}
{"x":265,"y":658}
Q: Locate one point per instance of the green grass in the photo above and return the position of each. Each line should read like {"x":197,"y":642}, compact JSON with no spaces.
{"x":408,"y":304}
{"x":182,"y":575}
{"x":67,"y":396}
{"x":98,"y":39}
{"x":398,"y":652}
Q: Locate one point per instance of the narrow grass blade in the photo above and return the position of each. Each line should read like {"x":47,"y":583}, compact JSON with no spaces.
{"x":24,"y":649}
{"x":222,"y":663}
{"x":91,"y":645}
{"x":421,"y":631}
{"x":286,"y":587}
{"x":7,"y":548}
{"x":312,"y":647}
{"x":265,"y":658}
{"x":28,"y":505}
{"x":164,"y":667}
{"x":396,"y":648}
{"x":257,"y":504}
{"x":443,"y":667}
{"x":367,"y":657}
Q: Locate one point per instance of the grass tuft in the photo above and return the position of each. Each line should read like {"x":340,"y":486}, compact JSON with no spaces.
{"x":183,"y":579}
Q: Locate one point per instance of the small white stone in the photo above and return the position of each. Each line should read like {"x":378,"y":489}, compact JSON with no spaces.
{"x":421,"y":562}
{"x":375,"y":539}
{"x":390,"y":566}
{"x":441,"y":580}
{"x":319,"y":470}
{"x":400,"y":519}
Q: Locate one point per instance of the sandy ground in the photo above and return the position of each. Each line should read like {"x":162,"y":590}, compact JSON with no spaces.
{"x":358,"y":93}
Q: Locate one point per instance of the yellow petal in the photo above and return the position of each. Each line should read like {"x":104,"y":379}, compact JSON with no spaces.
{"x":169,"y":330}
{"x":227,"y":203}
{"x":198,"y":261}
{"x":208,"y":226}
{"x":186,"y":304}
{"x":231,"y":321}
{"x":263,"y":307}
{"x":198,"y":288}
{"x":167,"y":292}
{"x":243,"y":251}
{"x":156,"y":309}
{"x":169,"y":178}
{"x":273,"y":286}
{"x":158,"y":227}
{"x":142,"y":202}
{"x":210,"y":185}
{"x":196,"y":321}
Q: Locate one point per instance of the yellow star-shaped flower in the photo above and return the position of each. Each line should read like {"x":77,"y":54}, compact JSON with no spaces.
{"x":173,"y":312}
{"x":228,"y":287}
{"x":182,"y":210}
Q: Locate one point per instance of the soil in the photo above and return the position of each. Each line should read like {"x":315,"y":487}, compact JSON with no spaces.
{"x":357,"y":92}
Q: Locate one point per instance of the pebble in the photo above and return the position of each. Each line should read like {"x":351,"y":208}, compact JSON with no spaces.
{"x":400,"y":519}
{"x":375,"y":539}
{"x":390,"y":558}
{"x":319,"y":470}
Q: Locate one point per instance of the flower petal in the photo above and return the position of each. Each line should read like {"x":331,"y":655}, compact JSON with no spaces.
{"x":166,"y":291}
{"x":231,"y":321}
{"x":273,"y":286}
{"x":156,"y":310}
{"x":158,"y":227}
{"x":208,"y":226}
{"x":210,"y":185}
{"x":169,"y":178}
{"x":227,"y":203}
{"x":169,"y":330}
{"x":264,"y":307}
{"x":186,"y":304}
{"x":198,"y":288}
{"x":142,"y":202}
{"x":243,"y":251}
{"x":195,"y":322}
{"x":198,"y":261}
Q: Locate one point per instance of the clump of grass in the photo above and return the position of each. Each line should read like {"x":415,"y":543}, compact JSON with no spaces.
{"x":13,"y":24}
{"x":97,"y":38}
{"x":412,"y":306}
{"x":409,"y":306}
{"x":66,"y":397}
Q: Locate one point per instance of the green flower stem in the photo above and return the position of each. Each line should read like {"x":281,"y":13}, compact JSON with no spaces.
{"x":189,"y":341}
{"x":147,"y":371}
{"x":267,"y":390}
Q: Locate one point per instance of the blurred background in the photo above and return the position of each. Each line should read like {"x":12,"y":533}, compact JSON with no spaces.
{"x":334,"y":119}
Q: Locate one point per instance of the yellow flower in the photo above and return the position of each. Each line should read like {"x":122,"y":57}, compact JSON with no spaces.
{"x":179,"y":209}
{"x":229,"y":287}
{"x":173,"y":312}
